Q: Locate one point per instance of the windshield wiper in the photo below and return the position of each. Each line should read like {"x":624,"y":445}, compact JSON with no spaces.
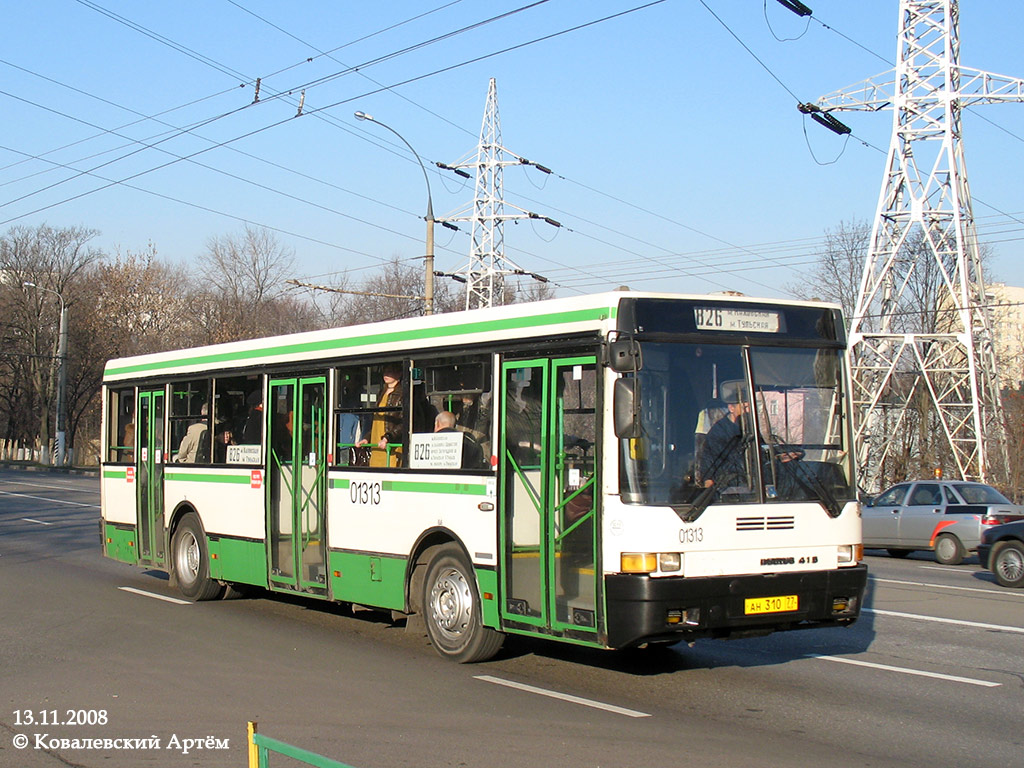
{"x":805,"y":478}
{"x":737,"y":443}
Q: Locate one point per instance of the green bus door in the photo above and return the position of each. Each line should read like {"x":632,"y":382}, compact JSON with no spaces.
{"x":297,"y":487}
{"x":149,"y":476}
{"x":549,"y":476}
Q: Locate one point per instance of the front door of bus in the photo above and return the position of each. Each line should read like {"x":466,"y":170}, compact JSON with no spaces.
{"x":297,"y":487}
{"x":548,"y":466}
{"x":149,"y":476}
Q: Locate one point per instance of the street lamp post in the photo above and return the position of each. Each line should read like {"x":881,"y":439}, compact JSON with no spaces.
{"x":62,"y":375}
{"x":428,"y":283}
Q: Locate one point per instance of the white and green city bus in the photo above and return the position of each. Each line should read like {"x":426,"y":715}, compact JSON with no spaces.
{"x":577,"y":497}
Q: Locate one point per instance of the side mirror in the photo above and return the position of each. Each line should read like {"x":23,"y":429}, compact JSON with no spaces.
{"x":624,"y":356}
{"x":626,"y":407}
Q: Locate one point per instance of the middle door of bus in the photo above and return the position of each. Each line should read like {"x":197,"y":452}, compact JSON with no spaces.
{"x":149,"y":476}
{"x":549,"y":468}
{"x":297,"y":484}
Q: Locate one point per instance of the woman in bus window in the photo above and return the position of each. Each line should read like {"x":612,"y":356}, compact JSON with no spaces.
{"x":388,"y":426}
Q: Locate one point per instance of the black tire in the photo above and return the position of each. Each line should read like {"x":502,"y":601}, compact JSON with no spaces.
{"x":451,"y":610}
{"x":1007,"y":563}
{"x":192,"y":562}
{"x":948,"y":549}
{"x":898,"y":553}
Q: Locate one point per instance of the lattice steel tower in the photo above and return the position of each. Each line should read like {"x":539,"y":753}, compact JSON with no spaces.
{"x":920,"y":368}
{"x":488,"y":266}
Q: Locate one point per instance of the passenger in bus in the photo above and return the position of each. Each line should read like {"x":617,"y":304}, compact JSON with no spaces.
{"x":388,"y":425}
{"x":222,"y":438}
{"x":128,"y":442}
{"x":473,"y":417}
{"x":191,"y":448}
{"x":252,"y":430}
{"x":523,"y":424}
{"x":472,"y":453}
{"x":350,"y":425}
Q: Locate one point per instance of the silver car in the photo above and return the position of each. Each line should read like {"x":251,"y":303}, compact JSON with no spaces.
{"x":946,"y":517}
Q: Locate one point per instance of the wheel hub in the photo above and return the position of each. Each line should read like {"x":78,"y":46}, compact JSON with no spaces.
{"x":450,"y":602}
{"x":1011,"y":565}
{"x":188,"y":556}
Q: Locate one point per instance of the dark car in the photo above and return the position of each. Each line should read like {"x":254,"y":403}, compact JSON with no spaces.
{"x":1002,"y":551}
{"x":944,"y":516}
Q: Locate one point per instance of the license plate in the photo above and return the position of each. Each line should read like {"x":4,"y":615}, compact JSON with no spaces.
{"x":777,"y":604}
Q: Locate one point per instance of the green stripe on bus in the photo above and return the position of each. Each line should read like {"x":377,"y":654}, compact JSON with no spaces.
{"x":334,"y":345}
{"x":115,"y":474}
{"x":402,"y":486}
{"x":405,"y":486}
{"x":196,"y":477}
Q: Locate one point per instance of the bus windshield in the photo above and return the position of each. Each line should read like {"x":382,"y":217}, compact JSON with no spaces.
{"x":705,"y":437}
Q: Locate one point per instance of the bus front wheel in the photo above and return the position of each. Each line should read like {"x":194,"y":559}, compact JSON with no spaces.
{"x":191,"y":561}
{"x":451,"y":610}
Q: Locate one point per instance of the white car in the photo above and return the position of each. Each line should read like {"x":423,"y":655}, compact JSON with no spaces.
{"x":946,"y":517}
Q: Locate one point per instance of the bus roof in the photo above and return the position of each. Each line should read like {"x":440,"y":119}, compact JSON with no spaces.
{"x":594,"y":313}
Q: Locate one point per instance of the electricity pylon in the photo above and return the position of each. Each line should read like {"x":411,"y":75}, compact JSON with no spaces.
{"x":924,"y":226}
{"x":488,"y":266}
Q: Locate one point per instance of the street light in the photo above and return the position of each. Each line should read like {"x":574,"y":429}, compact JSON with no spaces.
{"x":62,"y":373}
{"x":428,"y":298}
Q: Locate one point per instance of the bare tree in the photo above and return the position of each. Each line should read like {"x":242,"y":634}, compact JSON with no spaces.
{"x":244,"y":277}
{"x":837,"y":275}
{"x":53,"y":260}
{"x":392,"y":292}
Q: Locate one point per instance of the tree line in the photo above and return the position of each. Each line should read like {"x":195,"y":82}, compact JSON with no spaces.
{"x":134,"y":302}
{"x":920,"y":445}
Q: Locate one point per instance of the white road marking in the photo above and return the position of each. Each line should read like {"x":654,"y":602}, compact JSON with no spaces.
{"x":174,"y":600}
{"x":52,"y":501}
{"x":946,"y":568}
{"x":563,"y":696}
{"x":958,"y":622}
{"x":905,"y":671}
{"x":40,"y":522}
{"x":949,"y":586}
{"x":67,"y":487}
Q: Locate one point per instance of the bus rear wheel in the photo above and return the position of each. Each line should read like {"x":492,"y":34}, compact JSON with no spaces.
{"x":451,"y":610}
{"x":191,"y":561}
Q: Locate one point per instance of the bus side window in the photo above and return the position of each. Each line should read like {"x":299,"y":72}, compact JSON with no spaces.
{"x":352,"y":416}
{"x":190,"y":421}
{"x":121,"y":425}
{"x":238,"y":420}
{"x":463,"y":388}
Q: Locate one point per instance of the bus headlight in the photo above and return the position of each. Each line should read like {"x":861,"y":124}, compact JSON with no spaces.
{"x":851,"y":553}
{"x":670,"y":561}
{"x":639,"y":562}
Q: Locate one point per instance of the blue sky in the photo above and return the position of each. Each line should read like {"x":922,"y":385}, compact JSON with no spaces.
{"x":680,"y":162}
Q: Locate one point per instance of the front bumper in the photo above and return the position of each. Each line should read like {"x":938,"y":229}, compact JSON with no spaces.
{"x":639,"y":607}
{"x":983,"y":552}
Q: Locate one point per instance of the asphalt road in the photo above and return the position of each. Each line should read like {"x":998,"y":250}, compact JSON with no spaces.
{"x":932,"y":675}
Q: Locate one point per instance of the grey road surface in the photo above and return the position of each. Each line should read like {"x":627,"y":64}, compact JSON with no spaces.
{"x":933,"y":674}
